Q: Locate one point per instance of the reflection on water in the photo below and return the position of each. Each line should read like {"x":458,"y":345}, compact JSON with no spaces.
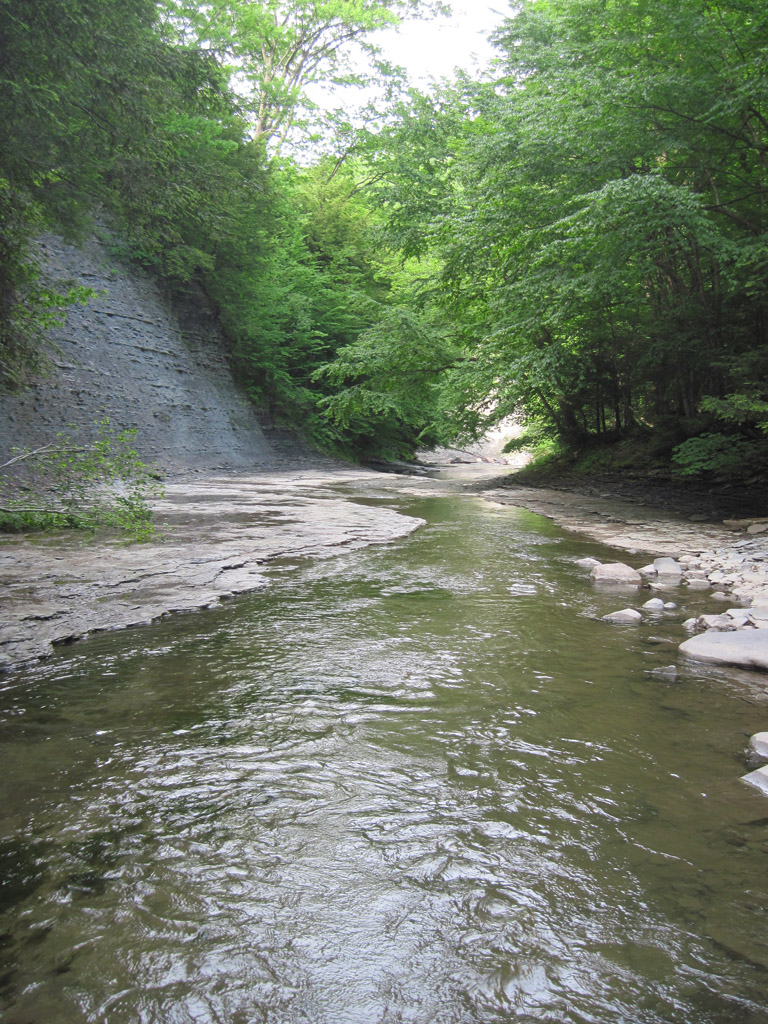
{"x":420,"y":784}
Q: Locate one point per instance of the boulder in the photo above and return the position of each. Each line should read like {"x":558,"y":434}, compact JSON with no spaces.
{"x":616,"y":572}
{"x":625,"y":615}
{"x":667,"y":567}
{"x":654,"y":605}
{"x":739,"y":617}
{"x":758,"y":779}
{"x":745,"y":648}
{"x":721,"y":622}
{"x":758,"y":744}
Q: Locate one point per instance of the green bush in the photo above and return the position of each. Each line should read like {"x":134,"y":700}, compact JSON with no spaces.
{"x":719,"y":455}
{"x":80,"y":486}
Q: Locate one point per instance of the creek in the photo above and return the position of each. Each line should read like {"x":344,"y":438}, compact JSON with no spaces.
{"x":418,"y":783}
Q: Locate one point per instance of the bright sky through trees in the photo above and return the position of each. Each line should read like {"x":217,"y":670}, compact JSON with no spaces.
{"x":432,"y":49}
{"x":429,"y":49}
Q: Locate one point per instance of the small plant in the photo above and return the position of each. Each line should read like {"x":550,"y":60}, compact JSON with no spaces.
{"x":81,"y":486}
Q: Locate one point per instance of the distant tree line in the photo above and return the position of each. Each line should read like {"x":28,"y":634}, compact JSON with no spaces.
{"x":580,"y":237}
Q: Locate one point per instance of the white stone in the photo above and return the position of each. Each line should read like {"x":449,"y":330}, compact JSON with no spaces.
{"x":746,"y":648}
{"x":616,"y":572}
{"x":691,"y":624}
{"x":648,"y":570}
{"x":716,"y":622}
{"x":757,"y":528}
{"x":667,"y":567}
{"x":625,"y":615}
{"x":669,"y":606}
{"x":654,"y":605}
{"x":722,"y":578}
{"x":758,"y":744}
{"x":741,"y":617}
{"x":666,"y":672}
{"x":698,"y":584}
{"x":588,"y":563}
{"x":758,"y":779}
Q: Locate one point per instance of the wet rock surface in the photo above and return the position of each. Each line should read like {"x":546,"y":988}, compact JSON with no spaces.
{"x":215,"y":538}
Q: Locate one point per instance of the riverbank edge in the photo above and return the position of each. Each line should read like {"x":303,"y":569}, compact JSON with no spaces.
{"x":722,"y":557}
{"x":216,"y":538}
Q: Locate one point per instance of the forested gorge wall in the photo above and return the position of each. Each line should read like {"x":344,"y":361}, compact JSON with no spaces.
{"x":143,"y":360}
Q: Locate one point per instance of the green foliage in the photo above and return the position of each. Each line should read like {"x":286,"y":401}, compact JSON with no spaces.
{"x":599,"y":212}
{"x":584,"y":239}
{"x":724,"y":456}
{"x":538,"y":438}
{"x":82,"y":486}
{"x":91,"y":101}
{"x":275,"y":49}
{"x":742,"y":409}
{"x":386,"y":396}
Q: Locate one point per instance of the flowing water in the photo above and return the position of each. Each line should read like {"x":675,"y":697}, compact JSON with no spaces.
{"x":413,"y":784}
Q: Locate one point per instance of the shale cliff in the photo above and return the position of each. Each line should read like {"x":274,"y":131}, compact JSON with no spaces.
{"x":144,"y":360}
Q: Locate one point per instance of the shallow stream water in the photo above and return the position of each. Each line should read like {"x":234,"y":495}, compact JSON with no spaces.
{"x":420,"y":783}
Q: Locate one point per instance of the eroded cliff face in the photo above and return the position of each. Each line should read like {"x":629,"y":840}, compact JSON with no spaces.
{"x":144,"y":361}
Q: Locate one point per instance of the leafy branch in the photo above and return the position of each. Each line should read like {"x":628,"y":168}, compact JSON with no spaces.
{"x":82,"y":486}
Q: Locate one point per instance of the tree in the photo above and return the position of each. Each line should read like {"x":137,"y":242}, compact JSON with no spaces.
{"x":97,"y":109}
{"x":599,"y":212}
{"x":274,"y":49}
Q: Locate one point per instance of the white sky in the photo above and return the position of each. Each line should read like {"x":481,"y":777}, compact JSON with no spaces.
{"x":432,"y":49}
{"x":428,"y":49}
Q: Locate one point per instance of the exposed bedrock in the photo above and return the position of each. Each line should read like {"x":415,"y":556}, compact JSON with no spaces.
{"x":134,"y":355}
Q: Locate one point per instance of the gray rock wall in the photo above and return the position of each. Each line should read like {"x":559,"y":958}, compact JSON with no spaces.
{"x":143,"y":361}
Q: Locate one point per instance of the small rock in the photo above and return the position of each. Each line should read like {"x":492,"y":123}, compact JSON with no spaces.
{"x":654,"y":605}
{"x":625,"y":615}
{"x":587,"y":563}
{"x":648,"y":570}
{"x":757,"y":528}
{"x":720,"y":595}
{"x":758,"y":744}
{"x":616,"y":572}
{"x":691,"y":625}
{"x":669,"y":606}
{"x":737,"y":524}
{"x":698,"y":584}
{"x":665,"y":672}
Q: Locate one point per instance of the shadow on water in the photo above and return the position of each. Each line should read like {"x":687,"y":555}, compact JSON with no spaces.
{"x":414,"y":783}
